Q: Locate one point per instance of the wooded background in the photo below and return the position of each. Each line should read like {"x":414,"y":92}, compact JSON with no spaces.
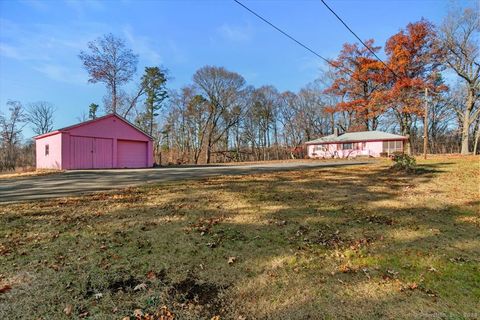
{"x":219,"y":117}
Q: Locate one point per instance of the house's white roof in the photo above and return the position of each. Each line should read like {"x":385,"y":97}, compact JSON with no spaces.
{"x":358,"y":136}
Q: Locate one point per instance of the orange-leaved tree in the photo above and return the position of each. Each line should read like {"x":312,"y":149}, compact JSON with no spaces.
{"x":357,"y":76}
{"x":414,"y":60}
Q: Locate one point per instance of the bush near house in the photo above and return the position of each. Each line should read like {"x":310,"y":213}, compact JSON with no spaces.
{"x":404,"y":162}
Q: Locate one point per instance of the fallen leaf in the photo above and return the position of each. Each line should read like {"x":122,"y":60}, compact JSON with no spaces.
{"x":164,"y":314}
{"x":68,"y":309}
{"x":55,"y":267}
{"x":392,"y":272}
{"x":138,"y":312}
{"x":141,"y":286}
{"x":231,"y":260}
{"x":5,"y":288}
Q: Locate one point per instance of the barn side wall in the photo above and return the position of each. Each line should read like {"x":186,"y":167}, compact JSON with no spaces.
{"x":54,"y":158}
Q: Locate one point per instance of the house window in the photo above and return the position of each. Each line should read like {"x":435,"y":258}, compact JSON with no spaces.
{"x":47,"y":149}
{"x":347,"y":146}
{"x":385,"y":146}
{"x":319,"y":148}
{"x":392,"y":146}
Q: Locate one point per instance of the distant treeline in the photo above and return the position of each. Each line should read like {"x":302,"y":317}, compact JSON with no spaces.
{"x":219,"y":117}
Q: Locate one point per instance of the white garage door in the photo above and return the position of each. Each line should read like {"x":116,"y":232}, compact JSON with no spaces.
{"x":131,"y":154}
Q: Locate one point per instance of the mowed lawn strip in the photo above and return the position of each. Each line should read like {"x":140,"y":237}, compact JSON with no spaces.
{"x":352,"y":242}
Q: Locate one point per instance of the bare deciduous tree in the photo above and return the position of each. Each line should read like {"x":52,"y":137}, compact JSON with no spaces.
{"x":459,"y":36}
{"x":10,"y":134}
{"x":222,"y":88}
{"x":82,"y":117}
{"x":108,"y":60}
{"x":40,"y":116}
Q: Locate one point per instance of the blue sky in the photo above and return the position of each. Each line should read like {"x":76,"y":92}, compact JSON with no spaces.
{"x":40,"y":41}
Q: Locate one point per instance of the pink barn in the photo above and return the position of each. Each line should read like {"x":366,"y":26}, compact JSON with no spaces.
{"x":353,"y":144}
{"x":103,"y":143}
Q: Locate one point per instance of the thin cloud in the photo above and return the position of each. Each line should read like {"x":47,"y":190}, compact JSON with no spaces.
{"x":47,"y":49}
{"x":142,"y":45}
{"x":82,"y":8}
{"x":61,"y":73}
{"x":236,"y":33}
{"x":36,"y":4}
{"x":178,"y":55}
{"x":10,"y":52}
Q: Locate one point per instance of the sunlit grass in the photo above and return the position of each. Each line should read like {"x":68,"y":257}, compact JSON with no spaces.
{"x":355,"y":242}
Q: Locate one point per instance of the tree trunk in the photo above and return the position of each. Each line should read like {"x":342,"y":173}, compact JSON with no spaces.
{"x":477,"y":137}
{"x":151,"y":123}
{"x":466,"y":122}
{"x":465,"y":130}
{"x":209,"y":150}
{"x":114,"y":98}
{"x":405,"y":128}
{"x":196,"y":158}
{"x":275,"y":132}
{"x":208,"y":155}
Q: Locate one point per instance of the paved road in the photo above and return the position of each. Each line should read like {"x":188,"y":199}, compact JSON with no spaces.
{"x":85,"y":181}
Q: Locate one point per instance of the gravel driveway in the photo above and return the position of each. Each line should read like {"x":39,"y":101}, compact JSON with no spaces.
{"x":84,"y":181}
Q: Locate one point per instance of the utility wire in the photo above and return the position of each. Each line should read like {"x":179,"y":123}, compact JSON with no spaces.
{"x":364,"y":44}
{"x":285,"y":34}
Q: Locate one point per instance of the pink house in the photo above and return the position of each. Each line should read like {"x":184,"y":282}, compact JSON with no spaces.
{"x":353,"y":144}
{"x":103,"y":143}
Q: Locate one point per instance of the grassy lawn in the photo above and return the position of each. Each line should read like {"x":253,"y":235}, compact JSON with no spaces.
{"x":353,"y":242}
{"x":27,"y":173}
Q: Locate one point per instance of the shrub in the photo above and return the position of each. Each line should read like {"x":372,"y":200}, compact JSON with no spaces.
{"x":404,"y":162}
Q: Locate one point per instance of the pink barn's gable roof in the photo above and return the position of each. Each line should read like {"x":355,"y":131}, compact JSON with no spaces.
{"x":65,"y":129}
{"x":358,"y":137}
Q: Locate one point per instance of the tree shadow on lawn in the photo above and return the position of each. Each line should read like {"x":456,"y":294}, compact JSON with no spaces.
{"x":321,"y":244}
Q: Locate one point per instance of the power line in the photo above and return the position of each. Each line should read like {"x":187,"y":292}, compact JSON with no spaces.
{"x":284,"y":33}
{"x":364,"y":44}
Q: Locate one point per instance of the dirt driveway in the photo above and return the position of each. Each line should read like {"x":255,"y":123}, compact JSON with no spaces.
{"x":84,"y":181}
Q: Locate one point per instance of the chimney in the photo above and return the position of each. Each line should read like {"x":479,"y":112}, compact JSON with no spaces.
{"x":335,"y":132}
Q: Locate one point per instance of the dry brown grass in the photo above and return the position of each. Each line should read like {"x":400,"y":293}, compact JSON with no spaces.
{"x":351,"y":242}
{"x":27,"y":173}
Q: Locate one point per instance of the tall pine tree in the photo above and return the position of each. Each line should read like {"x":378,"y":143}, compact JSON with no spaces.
{"x":154,"y":85}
